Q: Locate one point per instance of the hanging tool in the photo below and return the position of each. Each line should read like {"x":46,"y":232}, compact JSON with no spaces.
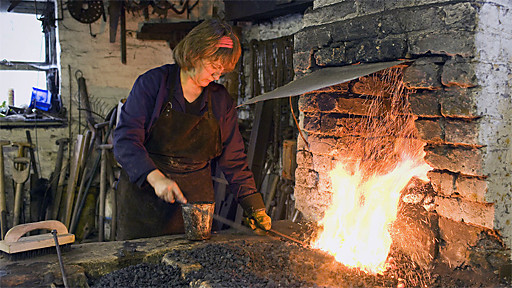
{"x":123,"y":34}
{"x":114,"y":12}
{"x":86,"y":11}
{"x":3,"y":204}
{"x":20,"y":176}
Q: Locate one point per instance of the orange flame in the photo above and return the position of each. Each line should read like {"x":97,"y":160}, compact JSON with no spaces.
{"x":385,"y":153}
{"x":355,"y":226}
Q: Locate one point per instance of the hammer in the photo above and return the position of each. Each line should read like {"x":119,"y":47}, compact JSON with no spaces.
{"x":3,"y":205}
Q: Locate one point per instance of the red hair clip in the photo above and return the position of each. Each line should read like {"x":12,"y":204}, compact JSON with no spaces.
{"x":225,"y":42}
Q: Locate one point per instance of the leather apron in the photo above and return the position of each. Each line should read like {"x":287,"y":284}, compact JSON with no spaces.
{"x":181,"y":146}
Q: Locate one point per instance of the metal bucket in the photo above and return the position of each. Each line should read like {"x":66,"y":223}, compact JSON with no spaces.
{"x":198,"y":218}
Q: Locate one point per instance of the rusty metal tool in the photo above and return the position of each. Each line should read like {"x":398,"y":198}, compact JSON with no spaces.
{"x":61,"y":264}
{"x":3,"y":203}
{"x":248,"y":230}
{"x":288,"y":237}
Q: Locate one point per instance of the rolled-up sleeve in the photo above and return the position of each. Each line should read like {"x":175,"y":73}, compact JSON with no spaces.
{"x":135,"y":120}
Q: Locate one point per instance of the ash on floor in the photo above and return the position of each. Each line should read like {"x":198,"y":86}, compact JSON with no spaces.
{"x":253,"y":263}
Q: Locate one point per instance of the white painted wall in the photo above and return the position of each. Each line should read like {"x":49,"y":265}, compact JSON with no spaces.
{"x":493,"y":42}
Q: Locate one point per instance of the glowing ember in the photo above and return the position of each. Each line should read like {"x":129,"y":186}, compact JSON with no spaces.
{"x":355,"y":227}
{"x":384,"y":155}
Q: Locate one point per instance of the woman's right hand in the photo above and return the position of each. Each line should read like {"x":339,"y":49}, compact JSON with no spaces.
{"x":165,"y":188}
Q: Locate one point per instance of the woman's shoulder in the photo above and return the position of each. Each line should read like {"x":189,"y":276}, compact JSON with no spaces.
{"x":159,"y":72}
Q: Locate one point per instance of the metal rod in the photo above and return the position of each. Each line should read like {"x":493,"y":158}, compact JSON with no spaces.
{"x":3,"y":202}
{"x":247,"y":230}
{"x":57,"y":246}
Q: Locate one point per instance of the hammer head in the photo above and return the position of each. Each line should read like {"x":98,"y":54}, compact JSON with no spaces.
{"x":62,"y":141}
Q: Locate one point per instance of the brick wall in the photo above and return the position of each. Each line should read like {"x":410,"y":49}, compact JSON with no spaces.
{"x":459,"y":96}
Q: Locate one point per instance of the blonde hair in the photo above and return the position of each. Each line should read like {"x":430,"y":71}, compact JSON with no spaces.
{"x":202,"y":43}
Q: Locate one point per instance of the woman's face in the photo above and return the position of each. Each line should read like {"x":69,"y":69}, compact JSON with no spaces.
{"x":207,"y":72}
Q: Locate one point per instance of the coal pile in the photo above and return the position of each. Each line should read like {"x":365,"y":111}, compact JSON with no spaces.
{"x":143,"y":275}
{"x":246,"y":263}
{"x":274,"y":263}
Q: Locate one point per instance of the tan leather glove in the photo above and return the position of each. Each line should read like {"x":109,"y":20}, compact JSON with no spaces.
{"x":254,"y":212}
{"x":259,"y":219}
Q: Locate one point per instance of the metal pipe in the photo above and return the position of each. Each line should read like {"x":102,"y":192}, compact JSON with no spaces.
{"x":61,"y":264}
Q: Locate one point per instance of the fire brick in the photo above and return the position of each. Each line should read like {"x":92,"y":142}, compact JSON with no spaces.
{"x":306,"y":177}
{"x":458,"y":102}
{"x":466,"y":160}
{"x":332,"y":56}
{"x":458,"y":209}
{"x":355,"y":106}
{"x":311,"y":122}
{"x":458,"y":71}
{"x":422,"y":75}
{"x":460,"y":131}
{"x":326,"y":102}
{"x":311,"y":202}
{"x":322,"y":163}
{"x":374,"y":86}
{"x":442,"y":182}
{"x":472,"y":188}
{"x":451,"y":42}
{"x":305,"y":158}
{"x":413,"y":233}
{"x":309,"y":38}
{"x":308,"y":103}
{"x":324,"y":182}
{"x":331,"y":13}
{"x":430,"y":130}
{"x":335,"y":124}
{"x":321,"y":145}
{"x":302,"y":62}
{"x":425,"y":103}
{"x":457,"y":237}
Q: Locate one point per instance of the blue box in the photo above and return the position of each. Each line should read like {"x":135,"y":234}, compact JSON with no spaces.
{"x":41,"y":99}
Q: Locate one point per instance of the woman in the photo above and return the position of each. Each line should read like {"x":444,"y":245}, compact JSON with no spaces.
{"x":173,"y":124}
